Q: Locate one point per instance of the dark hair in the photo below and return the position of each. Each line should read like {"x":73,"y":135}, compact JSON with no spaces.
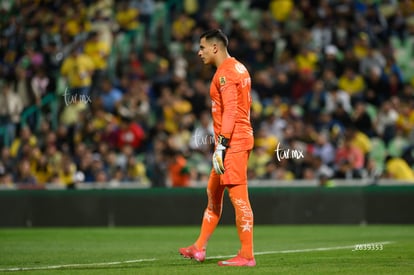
{"x":216,"y":34}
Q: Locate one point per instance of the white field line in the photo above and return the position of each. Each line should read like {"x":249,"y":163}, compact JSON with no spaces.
{"x":75,"y":265}
{"x":304,"y":250}
{"x":50,"y":267}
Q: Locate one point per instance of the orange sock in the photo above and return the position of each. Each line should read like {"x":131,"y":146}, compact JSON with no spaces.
{"x":212,"y":213}
{"x":244,"y":218}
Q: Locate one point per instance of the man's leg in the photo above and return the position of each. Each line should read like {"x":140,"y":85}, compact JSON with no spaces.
{"x":235,"y":178}
{"x":212,"y":213}
{"x":244,"y":218}
{"x":211,"y":218}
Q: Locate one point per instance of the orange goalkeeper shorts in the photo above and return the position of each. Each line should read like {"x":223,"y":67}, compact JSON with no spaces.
{"x":235,"y":165}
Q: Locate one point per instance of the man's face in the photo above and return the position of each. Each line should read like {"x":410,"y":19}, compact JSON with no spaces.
{"x":207,"y":50}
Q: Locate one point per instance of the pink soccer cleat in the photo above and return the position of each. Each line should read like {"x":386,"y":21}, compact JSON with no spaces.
{"x":238,"y":261}
{"x":193,"y":253}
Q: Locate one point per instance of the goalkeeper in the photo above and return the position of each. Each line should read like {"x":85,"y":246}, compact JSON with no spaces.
{"x":231,"y":100}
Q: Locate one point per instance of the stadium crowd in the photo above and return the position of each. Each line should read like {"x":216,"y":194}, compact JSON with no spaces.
{"x":332,"y":89}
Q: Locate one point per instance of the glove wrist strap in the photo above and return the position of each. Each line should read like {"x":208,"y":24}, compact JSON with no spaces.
{"x":223,"y":141}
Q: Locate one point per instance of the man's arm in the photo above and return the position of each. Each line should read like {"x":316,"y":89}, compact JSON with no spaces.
{"x":228,"y":93}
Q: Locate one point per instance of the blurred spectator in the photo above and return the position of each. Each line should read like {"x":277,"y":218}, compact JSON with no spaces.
{"x":407,"y":94}
{"x":40,"y":84}
{"x":200,"y":99}
{"x":54,"y":158}
{"x":282,"y":85}
{"x":397,"y":168}
{"x":127,"y":17}
{"x":7,"y":162}
{"x":258,"y":162}
{"x":321,"y":34}
{"x":266,"y":139}
{"x":85,"y":167}
{"x":25,"y":137}
{"x":352,"y":83}
{"x":360,"y":140}
{"x":384,"y":123}
{"x":280,"y":10}
{"x":350,"y":60}
{"x":72,"y":112}
{"x":178,"y":170}
{"x":325,"y":181}
{"x":6,"y":180}
{"x":109,"y":96}
{"x":349,"y":160}
{"x":301,"y":85}
{"x":392,"y":69}
{"x":102,"y":22}
{"x":66,"y":172}
{"x":78,"y":69}
{"x":98,"y":50}
{"x":135,"y":171}
{"x":314,"y":100}
{"x":361,"y":120}
{"x":373,"y":59}
{"x":27,"y":96}
{"x":130,"y":133}
{"x":324,"y":149}
{"x":173,"y":108}
{"x":157,"y":164}
{"x":24,"y":177}
{"x":331,"y":61}
{"x":11,"y":108}
{"x":280,"y":171}
{"x":53,"y":58}
{"x":405,"y":120}
{"x":377,"y":88}
{"x":42,"y":170}
{"x":307,"y":60}
{"x":320,"y":169}
{"x":182,"y":26}
{"x":342,"y":116}
{"x":336,"y":97}
{"x":146,"y":9}
{"x":408,"y":155}
{"x":263,"y":85}
{"x":101,"y":178}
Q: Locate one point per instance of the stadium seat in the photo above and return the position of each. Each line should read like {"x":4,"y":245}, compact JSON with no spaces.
{"x":404,"y":56}
{"x":372,"y":111}
{"x":378,"y":152}
{"x":159,"y":17}
{"x":397,"y":145}
{"x":240,"y":10}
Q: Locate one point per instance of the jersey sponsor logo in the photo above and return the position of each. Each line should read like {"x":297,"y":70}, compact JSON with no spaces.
{"x":240,"y":68}
{"x":222,"y":80}
{"x":246,"y":82}
{"x":213,"y":106}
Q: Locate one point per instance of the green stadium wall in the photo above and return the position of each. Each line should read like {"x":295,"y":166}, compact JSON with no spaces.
{"x":141,"y":207}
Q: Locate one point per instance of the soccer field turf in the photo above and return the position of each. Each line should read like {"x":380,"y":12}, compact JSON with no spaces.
{"x":153,"y":250}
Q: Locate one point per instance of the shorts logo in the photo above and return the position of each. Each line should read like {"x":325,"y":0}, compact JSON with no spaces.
{"x":222,"y":80}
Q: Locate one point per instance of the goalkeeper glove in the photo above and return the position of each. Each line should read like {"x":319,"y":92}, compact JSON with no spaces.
{"x":219,"y":153}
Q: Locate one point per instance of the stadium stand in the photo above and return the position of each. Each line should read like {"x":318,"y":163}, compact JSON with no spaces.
{"x":340,"y":69}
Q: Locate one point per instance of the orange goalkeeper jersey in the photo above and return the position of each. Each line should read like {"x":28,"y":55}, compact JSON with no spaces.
{"x":231,"y":101}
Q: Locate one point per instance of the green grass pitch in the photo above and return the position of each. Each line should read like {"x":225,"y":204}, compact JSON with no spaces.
{"x":300,"y":249}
